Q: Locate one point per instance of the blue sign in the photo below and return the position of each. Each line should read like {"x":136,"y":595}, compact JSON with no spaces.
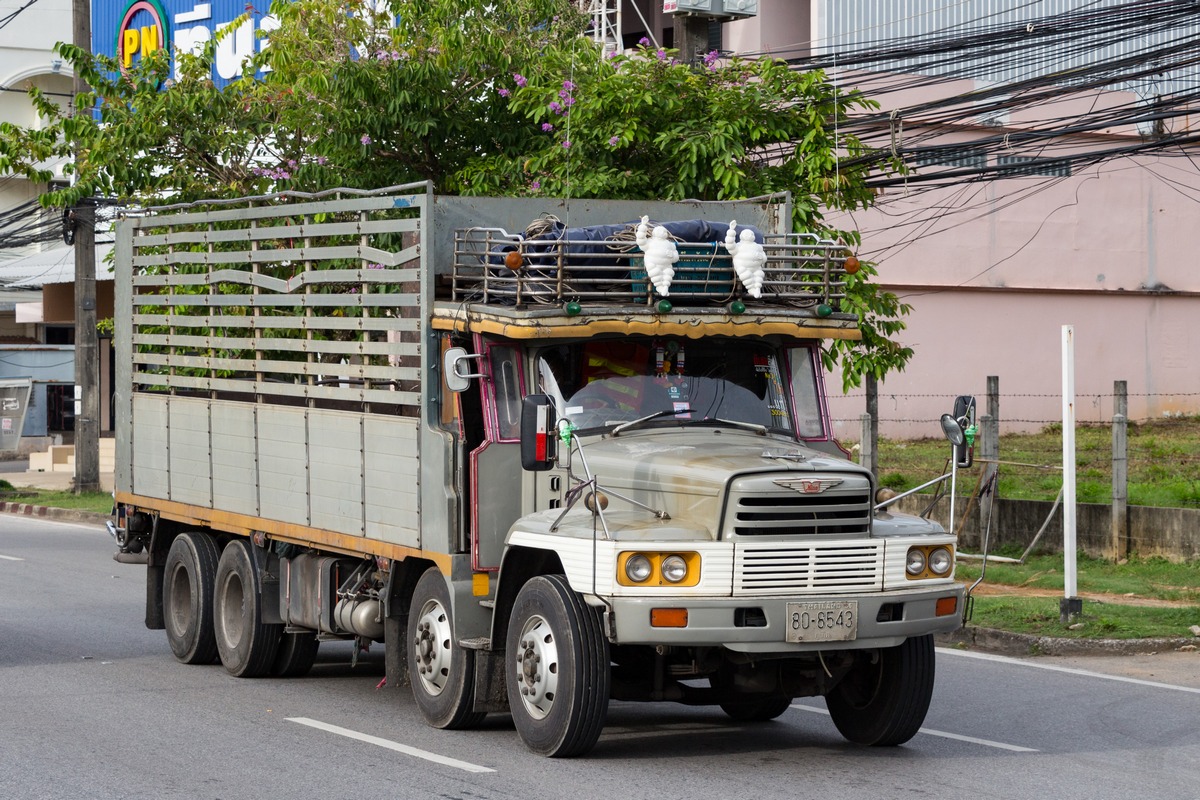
{"x":129,"y":30}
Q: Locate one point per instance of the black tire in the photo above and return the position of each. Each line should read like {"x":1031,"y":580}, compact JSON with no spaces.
{"x":442,"y":674}
{"x":884,"y":703}
{"x":761,"y":708}
{"x":247,"y":646}
{"x":189,"y":575}
{"x":557,"y":669}
{"x":296,"y":654}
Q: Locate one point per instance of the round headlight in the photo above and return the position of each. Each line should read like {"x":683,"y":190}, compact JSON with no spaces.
{"x":674,"y":569}
{"x":638,"y":568}
{"x":915,"y":564}
{"x":940,"y":561}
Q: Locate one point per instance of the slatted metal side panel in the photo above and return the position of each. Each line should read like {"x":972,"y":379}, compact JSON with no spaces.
{"x":283,"y":465}
{"x":335,"y":446}
{"x":275,"y":361}
{"x":392,"y":480}
{"x":148,"y":447}
{"x":189,"y":454}
{"x":316,"y":300}
{"x":235,"y":457}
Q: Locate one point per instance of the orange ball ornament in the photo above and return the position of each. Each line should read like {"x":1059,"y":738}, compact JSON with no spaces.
{"x":851,"y":265}
{"x":513,"y":260}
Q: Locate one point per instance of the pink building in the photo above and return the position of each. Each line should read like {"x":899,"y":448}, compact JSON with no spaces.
{"x":994,"y":269}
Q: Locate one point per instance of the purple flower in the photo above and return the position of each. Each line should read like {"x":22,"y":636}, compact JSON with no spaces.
{"x":564,"y":94}
{"x":661,"y":54}
{"x":547,"y":127}
{"x":568,"y":86}
{"x":566,"y":144}
{"x":374,"y":266}
{"x":644,"y":42}
{"x":556,"y":108}
{"x":570,"y":101}
{"x":710,"y":57}
{"x":519,"y":79}
{"x":505,"y":93}
{"x":365,"y":139}
{"x":322,"y":161}
{"x":535,"y":185}
{"x":614,"y":141}
{"x":291,"y":163}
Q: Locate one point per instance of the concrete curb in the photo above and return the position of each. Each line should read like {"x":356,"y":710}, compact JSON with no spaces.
{"x":1020,"y":644}
{"x":60,"y":514}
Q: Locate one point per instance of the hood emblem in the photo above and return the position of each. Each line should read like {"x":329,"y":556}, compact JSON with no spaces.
{"x":790,"y":455}
{"x":808,"y":485}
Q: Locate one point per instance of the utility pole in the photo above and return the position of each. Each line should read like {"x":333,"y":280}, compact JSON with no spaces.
{"x":691,"y":33}
{"x":87,"y":350}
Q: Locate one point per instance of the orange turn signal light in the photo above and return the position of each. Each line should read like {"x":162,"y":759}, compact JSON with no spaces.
{"x":668,"y":617}
{"x":946,"y":606}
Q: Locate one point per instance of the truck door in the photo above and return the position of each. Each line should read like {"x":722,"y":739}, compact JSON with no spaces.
{"x":496,"y":476}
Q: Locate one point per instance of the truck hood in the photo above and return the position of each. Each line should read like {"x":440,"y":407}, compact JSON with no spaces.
{"x":700,"y":458}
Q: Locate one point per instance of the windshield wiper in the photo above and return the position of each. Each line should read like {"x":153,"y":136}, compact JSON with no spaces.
{"x":761,"y":430}
{"x":633,"y":422}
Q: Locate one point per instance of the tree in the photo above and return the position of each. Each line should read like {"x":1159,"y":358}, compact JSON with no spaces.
{"x":476,"y":97}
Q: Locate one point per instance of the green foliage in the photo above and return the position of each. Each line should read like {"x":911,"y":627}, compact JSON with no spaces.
{"x":476,"y":97}
{"x":1039,"y":616}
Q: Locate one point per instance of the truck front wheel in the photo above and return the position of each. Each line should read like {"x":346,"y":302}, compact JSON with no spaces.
{"x":557,"y":669}
{"x":189,"y":574}
{"x":444,"y":684}
{"x":247,"y":645}
{"x":882,"y":701}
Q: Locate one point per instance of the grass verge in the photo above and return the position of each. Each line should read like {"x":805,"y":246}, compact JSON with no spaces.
{"x":1121,"y":614}
{"x":100,"y":502}
{"x":1039,"y":616}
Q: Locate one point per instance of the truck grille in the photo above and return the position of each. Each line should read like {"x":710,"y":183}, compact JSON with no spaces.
{"x":818,"y":567}
{"x":760,"y":507}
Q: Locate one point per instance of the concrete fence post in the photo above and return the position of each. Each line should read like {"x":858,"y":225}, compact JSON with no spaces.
{"x":866,"y":456}
{"x":989,"y":451}
{"x":870,"y":448}
{"x":1120,"y":471}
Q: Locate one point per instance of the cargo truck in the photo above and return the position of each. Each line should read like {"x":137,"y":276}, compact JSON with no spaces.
{"x":547,"y":454}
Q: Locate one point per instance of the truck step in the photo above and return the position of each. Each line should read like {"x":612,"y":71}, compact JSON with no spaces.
{"x":478,"y":643}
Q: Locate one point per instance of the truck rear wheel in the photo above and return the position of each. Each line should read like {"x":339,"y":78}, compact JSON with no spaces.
{"x":247,"y":645}
{"x":557,"y":669}
{"x":296,"y":654}
{"x":884,"y":702}
{"x":444,"y":684}
{"x":189,"y":575}
{"x":757,"y":709}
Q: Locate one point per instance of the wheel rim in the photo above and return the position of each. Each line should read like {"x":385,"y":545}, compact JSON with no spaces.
{"x":432,"y":646}
{"x":181,"y":600}
{"x":232,"y":610}
{"x":537,"y":666}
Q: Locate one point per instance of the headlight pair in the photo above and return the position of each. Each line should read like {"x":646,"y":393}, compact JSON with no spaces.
{"x":658,"y":569}
{"x":929,"y":562}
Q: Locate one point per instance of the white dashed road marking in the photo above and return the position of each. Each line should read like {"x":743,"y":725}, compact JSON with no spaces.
{"x":390,"y":745}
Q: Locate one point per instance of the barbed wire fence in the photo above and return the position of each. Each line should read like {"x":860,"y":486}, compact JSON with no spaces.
{"x":1149,"y":459}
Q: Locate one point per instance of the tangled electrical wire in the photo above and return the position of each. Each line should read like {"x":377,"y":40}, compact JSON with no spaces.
{"x":1011,"y":94}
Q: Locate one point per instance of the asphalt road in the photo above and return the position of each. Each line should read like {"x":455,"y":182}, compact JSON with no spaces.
{"x":92,"y":705}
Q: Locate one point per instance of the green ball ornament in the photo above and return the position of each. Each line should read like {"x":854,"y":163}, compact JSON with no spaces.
{"x":737,"y":307}
{"x":573,"y":308}
{"x":824,"y":310}
{"x":665,"y":307}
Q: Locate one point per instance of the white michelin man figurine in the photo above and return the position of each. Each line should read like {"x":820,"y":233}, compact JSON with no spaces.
{"x":749,"y":258}
{"x":661,"y":255}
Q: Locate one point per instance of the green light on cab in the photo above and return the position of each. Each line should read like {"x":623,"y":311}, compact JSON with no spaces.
{"x":824,"y":310}
{"x":737,"y":307}
{"x":665,"y":307}
{"x":573,"y":308}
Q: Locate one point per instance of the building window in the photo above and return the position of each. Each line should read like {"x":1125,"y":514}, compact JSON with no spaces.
{"x":1015,"y":166}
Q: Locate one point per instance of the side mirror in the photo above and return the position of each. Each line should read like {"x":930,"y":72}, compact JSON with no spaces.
{"x":954,"y":432}
{"x":539,"y":433}
{"x":964,"y":416}
{"x":457,"y":369}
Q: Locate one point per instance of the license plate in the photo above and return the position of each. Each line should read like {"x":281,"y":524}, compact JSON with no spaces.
{"x":828,"y":621}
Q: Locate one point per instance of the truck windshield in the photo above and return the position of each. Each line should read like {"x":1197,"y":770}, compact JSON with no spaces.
{"x":603,"y":383}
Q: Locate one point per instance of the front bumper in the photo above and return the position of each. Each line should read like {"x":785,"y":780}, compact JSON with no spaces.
{"x":885,"y":619}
